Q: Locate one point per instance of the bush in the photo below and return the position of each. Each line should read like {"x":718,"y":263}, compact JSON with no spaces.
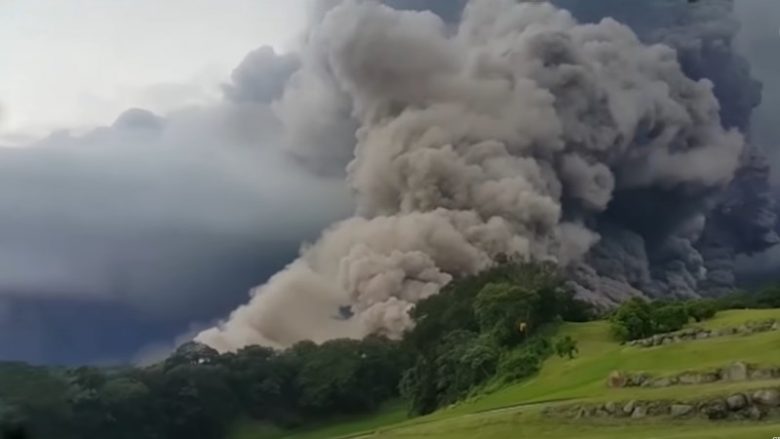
{"x":769,"y":297}
{"x":632,"y":320}
{"x":518,"y":364}
{"x":701,"y":310}
{"x":669,"y":317}
{"x":566,"y":347}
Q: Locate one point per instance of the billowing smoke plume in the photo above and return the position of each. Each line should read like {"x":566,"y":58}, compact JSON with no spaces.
{"x":516,"y":132}
{"x":744,"y":220}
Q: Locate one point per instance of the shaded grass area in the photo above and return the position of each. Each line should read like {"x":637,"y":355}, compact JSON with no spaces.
{"x":388,"y":414}
{"x":505,"y":425}
{"x":513,"y":411}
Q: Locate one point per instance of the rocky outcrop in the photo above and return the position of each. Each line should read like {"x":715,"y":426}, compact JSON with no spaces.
{"x":756,"y":405}
{"x":692,"y":334}
{"x":737,"y":371}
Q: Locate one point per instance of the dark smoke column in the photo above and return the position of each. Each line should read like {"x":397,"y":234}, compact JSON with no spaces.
{"x":744,"y":218}
{"x":638,"y":253}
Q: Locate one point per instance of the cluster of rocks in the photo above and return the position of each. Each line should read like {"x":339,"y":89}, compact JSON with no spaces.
{"x":691,"y":334}
{"x":757,"y":405}
{"x":738,"y":371}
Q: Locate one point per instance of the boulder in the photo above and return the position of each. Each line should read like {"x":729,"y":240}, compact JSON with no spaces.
{"x":702,"y":335}
{"x":755,"y":413}
{"x":658,"y":408}
{"x":639,"y":412}
{"x":769,"y":397}
{"x":775,"y":326}
{"x":678,"y":410}
{"x":629,"y":407}
{"x":735,"y":372}
{"x":610,"y":408}
{"x":715,"y":409}
{"x":736,"y":402}
{"x":761,"y":374}
{"x":697,"y":378}
{"x":617,"y":379}
{"x":660,"y":382}
{"x":639,"y":379}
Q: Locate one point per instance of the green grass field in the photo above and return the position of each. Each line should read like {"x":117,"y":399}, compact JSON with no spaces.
{"x":514,"y":411}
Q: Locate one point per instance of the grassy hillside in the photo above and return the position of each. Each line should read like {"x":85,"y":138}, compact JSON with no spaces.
{"x":514,"y":411}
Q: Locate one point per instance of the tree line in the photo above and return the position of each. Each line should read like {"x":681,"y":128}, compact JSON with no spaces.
{"x":479,"y":332}
{"x":479,"y":328}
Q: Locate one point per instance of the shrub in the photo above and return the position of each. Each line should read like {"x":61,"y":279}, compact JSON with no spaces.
{"x":518,"y":364}
{"x":701,"y":310}
{"x":669,"y":317}
{"x":566,"y":347}
{"x":632,"y":320}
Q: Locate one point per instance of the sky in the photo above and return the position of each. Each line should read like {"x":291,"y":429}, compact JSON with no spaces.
{"x":137,"y":202}
{"x":79,"y":63}
{"x":123,"y":231}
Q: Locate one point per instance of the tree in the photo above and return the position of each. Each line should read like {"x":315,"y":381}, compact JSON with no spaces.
{"x":668,"y":317}
{"x":518,"y":364}
{"x":632,"y":320}
{"x":701,"y":310}
{"x":506,"y":312}
{"x":566,"y":346}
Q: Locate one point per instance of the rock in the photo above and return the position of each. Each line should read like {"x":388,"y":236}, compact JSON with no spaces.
{"x":775,"y":326}
{"x":697,"y":378}
{"x":736,"y":402}
{"x":715,"y":409}
{"x":755,"y":413}
{"x":617,"y":379}
{"x":667,"y":340}
{"x":769,"y":397}
{"x":736,"y":372}
{"x":702,"y":335}
{"x":658,"y":408}
{"x":678,"y":410}
{"x":660,"y":382}
{"x":761,"y":374}
{"x":610,"y":408}
{"x":639,"y":412}
{"x":629,"y":407}
{"x":639,"y":379}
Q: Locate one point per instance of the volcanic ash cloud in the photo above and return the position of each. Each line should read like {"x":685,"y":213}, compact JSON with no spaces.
{"x":507,"y":136}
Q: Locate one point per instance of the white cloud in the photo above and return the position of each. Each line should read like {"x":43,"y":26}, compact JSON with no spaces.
{"x":80,"y":63}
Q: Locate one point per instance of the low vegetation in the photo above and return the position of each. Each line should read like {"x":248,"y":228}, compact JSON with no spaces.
{"x":504,"y":337}
{"x":517,"y":410}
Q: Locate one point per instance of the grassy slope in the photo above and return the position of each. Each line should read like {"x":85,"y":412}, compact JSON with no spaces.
{"x":513,"y":411}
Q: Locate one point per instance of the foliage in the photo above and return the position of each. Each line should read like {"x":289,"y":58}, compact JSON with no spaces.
{"x":668,"y":317}
{"x":518,"y":364}
{"x":566,"y":347}
{"x":638,"y":318}
{"x":703,"y":309}
{"x":632,"y":320}
{"x":766,"y":297}
{"x":198,"y":394}
{"x":482,"y":327}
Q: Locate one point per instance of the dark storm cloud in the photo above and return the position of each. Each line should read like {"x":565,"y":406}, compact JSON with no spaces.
{"x":171,"y":219}
{"x":759,"y":41}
